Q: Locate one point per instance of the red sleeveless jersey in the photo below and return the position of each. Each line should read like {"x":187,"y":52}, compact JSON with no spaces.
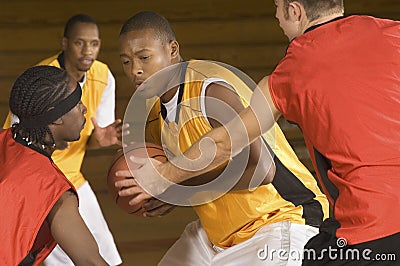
{"x":30,"y":184}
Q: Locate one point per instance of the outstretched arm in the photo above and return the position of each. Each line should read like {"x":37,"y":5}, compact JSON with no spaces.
{"x":253,"y":167}
{"x":214,"y":148}
{"x":71,"y":233}
{"x":107,"y":136}
{"x":218,"y":145}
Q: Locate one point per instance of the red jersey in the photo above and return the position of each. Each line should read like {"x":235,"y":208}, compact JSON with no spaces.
{"x":340,"y":82}
{"x":30,"y":184}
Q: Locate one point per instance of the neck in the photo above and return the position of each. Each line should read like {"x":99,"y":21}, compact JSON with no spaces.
{"x":167,"y":96}
{"x":76,"y":74}
{"x":51,"y":152}
{"x":321,"y":20}
{"x":49,"y":149}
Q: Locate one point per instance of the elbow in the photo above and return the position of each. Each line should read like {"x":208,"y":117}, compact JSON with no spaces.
{"x":265,"y":169}
{"x":223,"y":145}
{"x":270,"y":174}
{"x":223,"y":151}
{"x":267,"y":163}
{"x":217,"y":138}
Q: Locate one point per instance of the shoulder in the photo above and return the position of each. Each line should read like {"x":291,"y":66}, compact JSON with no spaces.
{"x":50,"y":61}
{"x":99,"y":65}
{"x":99,"y":71}
{"x":220,"y":90}
{"x":39,"y":172}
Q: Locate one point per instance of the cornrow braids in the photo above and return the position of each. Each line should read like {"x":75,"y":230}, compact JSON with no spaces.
{"x":37,"y":90}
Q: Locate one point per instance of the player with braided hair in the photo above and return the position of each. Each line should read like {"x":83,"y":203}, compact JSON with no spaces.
{"x":80,"y":47}
{"x":29,"y":92}
{"x":38,"y":201}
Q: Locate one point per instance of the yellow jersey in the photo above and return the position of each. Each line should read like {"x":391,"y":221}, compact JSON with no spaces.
{"x":236,"y":216}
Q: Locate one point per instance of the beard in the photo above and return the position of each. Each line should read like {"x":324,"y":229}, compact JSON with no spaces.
{"x":84,"y":68}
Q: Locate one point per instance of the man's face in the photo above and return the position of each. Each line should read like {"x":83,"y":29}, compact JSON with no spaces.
{"x":82,"y":46}
{"x":289,"y":27}
{"x":74,"y":120}
{"x":142,"y":54}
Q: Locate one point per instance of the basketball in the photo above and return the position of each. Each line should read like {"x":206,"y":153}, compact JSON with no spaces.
{"x":143,"y":150}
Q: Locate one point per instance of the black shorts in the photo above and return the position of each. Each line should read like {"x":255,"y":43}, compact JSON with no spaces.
{"x":326,"y":249}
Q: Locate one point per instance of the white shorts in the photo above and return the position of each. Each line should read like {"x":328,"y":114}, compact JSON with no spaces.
{"x":91,"y":213}
{"x":275,"y":244}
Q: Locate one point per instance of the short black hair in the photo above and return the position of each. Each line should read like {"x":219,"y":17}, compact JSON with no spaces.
{"x":34,"y":92}
{"x":79,"y":18}
{"x":150,"y":20}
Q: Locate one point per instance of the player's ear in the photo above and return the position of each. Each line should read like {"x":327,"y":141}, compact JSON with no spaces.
{"x":174,"y":48}
{"x":64,"y":43}
{"x":295,"y":11}
{"x":58,"y":122}
{"x":56,"y":127}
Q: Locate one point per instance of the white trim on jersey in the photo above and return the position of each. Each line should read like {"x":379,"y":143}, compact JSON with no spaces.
{"x":105,"y":112}
{"x":171,"y":105}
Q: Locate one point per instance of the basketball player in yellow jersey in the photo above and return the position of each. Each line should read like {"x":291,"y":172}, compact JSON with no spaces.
{"x":80,"y":47}
{"x":267,"y":226}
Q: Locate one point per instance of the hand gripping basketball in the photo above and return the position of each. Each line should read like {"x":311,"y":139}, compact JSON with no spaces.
{"x":137,"y":150}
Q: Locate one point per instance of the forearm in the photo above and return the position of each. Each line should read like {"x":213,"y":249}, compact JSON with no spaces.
{"x":215,"y":147}
{"x":254,"y":166}
{"x":259,"y":169}
{"x":92,"y":143}
{"x":71,"y":233}
{"x":202,"y":157}
{"x":248,"y":169}
{"x":204,"y":178}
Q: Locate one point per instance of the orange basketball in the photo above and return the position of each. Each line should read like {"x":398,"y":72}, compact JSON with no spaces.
{"x":144,"y":150}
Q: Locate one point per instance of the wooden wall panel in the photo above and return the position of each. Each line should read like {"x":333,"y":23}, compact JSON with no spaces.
{"x":118,"y":10}
{"x":241,"y":56}
{"x":106,"y":11}
{"x":40,"y":37}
